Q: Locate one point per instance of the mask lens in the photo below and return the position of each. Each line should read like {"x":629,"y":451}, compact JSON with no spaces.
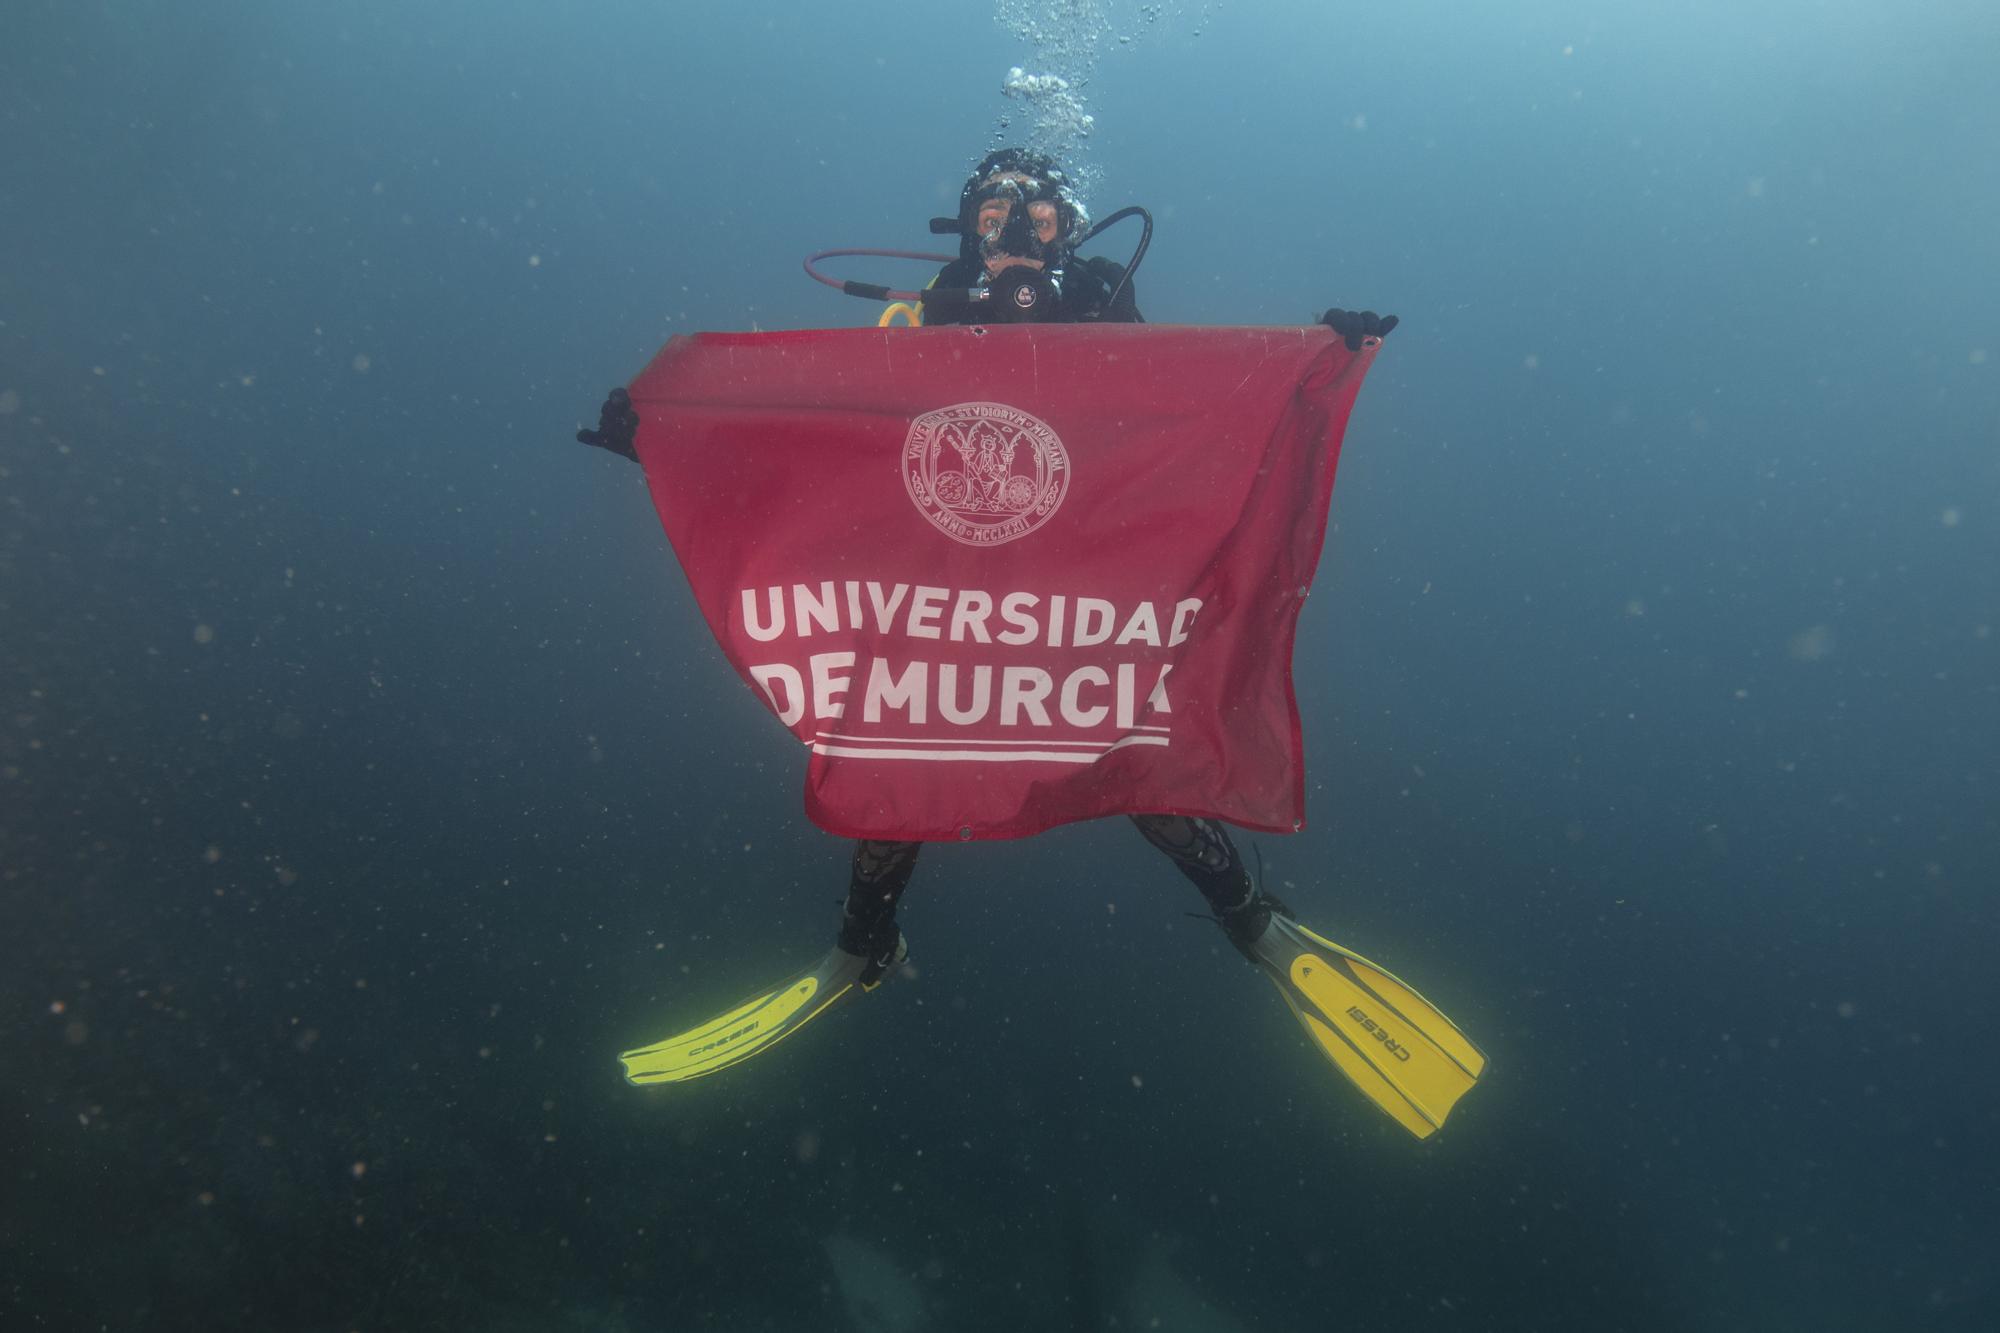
{"x":1014,"y":215}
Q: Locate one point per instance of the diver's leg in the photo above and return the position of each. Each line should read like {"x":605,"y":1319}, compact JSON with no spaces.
{"x":1205,"y":853}
{"x":1394,"y":1045}
{"x":868,"y":918}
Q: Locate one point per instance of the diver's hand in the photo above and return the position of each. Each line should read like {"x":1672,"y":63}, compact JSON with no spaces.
{"x":1354,"y":325}
{"x":617,"y":425}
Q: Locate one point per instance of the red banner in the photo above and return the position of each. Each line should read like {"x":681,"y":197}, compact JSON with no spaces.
{"x":1003,"y":578}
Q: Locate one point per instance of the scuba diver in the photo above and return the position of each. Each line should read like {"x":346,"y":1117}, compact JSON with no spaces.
{"x":1019,"y":229}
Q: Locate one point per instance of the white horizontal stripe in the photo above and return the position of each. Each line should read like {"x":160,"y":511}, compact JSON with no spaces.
{"x":949,"y":740}
{"x":987,"y":757}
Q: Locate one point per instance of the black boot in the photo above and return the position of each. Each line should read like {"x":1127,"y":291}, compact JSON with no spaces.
{"x":878,"y":939}
{"x":1246,"y":922}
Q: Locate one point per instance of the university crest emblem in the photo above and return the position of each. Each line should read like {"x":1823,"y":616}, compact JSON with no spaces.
{"x":984,"y":473}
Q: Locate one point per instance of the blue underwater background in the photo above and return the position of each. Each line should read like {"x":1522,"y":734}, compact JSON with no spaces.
{"x":368,"y":779}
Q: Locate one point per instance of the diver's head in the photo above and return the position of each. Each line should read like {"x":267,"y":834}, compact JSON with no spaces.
{"x":1016,"y":209}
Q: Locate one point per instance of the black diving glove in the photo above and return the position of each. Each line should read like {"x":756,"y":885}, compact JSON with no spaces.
{"x":617,"y":424}
{"x":1354,"y":325}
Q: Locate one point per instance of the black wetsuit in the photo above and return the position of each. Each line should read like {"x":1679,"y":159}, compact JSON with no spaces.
{"x":1086,"y":285}
{"x":1201,"y":848}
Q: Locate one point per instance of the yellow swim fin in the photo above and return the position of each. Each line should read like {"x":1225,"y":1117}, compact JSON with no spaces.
{"x":1392,"y":1043}
{"x":760,"y":1022}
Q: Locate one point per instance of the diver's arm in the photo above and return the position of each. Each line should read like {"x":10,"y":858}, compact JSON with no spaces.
{"x":1124,"y":309}
{"x":617,"y":426}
